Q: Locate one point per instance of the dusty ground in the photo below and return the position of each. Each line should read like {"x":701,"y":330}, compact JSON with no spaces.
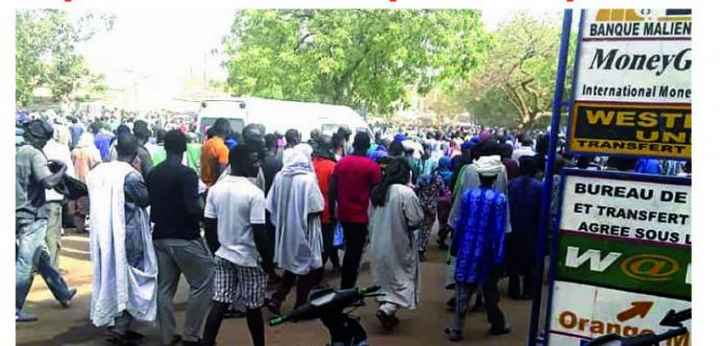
{"x":423,"y":326}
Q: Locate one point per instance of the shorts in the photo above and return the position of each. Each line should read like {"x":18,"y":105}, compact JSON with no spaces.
{"x":235,"y":282}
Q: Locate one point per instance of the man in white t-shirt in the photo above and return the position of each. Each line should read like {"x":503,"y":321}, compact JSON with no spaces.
{"x":235,"y":209}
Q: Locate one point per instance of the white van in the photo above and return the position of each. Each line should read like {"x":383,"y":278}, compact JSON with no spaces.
{"x":279,"y":116}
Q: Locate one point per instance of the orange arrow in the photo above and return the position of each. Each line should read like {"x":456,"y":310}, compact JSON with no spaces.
{"x":638,"y":309}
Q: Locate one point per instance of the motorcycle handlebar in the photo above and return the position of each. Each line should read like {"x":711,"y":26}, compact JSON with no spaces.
{"x":277,"y":321}
{"x":363,"y":292}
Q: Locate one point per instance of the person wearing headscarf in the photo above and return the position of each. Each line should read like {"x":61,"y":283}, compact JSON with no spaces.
{"x":444,"y":200}
{"x":486,"y":150}
{"x":478,"y":245}
{"x":296,"y":203}
{"x":58,"y":148}
{"x":428,"y":188}
{"x":396,"y":214}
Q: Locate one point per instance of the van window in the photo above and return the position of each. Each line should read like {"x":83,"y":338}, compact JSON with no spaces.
{"x":206,"y":123}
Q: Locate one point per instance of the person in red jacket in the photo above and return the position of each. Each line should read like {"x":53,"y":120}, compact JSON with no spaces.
{"x":354,"y":177}
{"x":324,"y":165}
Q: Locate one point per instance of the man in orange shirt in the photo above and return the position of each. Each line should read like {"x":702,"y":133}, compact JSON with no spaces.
{"x":324,"y":164}
{"x":214,"y":158}
{"x":215,"y":155}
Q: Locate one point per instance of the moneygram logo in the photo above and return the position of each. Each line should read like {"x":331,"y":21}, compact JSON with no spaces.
{"x":650,"y":267}
{"x":632,"y":15}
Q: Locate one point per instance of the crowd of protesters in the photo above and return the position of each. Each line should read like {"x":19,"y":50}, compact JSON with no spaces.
{"x":245,"y":217}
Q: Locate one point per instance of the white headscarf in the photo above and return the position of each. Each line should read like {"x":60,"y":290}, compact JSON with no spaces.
{"x":293,"y":197}
{"x":305,"y":149}
{"x":296,"y":161}
{"x":488,"y":166}
{"x":86,"y":141}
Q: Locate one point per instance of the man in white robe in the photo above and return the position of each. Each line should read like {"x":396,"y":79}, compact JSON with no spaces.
{"x":395,"y":216}
{"x":121,"y":248}
{"x":295,"y":203}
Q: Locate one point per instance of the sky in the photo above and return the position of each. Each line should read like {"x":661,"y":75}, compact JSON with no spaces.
{"x":154,"y":50}
{"x":157,"y":49}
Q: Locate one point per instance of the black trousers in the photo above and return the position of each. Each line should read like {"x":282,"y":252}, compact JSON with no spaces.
{"x":305,"y":283}
{"x":355,"y":238}
{"x":211,"y":238}
{"x":491,"y":295}
{"x":529,"y":280}
{"x":212,"y":241}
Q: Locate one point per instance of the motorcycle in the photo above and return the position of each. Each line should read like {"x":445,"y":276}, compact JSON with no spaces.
{"x":329,"y":306}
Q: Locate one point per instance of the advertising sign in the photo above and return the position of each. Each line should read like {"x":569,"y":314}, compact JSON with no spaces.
{"x":631,"y":129}
{"x":632,"y":84}
{"x":627,"y":210}
{"x":624,"y":256}
{"x":582,"y":312}
{"x":631,"y":266}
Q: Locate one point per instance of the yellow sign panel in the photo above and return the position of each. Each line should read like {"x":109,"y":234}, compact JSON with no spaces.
{"x":660,"y":130}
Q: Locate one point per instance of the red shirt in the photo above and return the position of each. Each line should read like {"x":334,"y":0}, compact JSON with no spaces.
{"x":323,"y":170}
{"x":355,"y":176}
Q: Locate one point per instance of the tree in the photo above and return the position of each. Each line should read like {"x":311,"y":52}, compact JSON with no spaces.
{"x":46,"y":55}
{"x":445,"y":103}
{"x":360,"y":58}
{"x":517,"y":78}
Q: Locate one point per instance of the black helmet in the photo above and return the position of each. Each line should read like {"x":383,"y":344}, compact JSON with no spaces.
{"x":254,"y":133}
{"x":324,"y":147}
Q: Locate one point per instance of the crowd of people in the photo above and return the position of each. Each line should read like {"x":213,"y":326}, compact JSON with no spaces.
{"x":245,"y":217}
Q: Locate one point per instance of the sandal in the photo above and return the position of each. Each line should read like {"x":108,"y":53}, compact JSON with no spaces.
{"x":388,"y":322}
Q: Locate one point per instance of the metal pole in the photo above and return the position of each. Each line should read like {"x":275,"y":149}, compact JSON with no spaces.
{"x":548,"y":181}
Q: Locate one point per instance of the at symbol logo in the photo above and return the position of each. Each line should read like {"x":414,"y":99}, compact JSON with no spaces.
{"x":650,"y":267}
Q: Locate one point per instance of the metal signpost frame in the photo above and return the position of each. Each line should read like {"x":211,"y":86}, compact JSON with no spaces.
{"x":615,"y":175}
{"x":548,"y":180}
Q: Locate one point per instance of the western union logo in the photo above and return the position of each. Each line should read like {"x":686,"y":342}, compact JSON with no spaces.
{"x":632,"y":15}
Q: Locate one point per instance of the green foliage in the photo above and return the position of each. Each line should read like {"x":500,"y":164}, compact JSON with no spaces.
{"x":46,"y":53}
{"x":370,"y":59}
{"x":514,"y":86}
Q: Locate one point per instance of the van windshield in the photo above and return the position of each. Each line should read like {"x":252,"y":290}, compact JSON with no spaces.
{"x":206,"y":123}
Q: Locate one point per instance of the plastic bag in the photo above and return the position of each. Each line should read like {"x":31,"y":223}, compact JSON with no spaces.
{"x":339,"y":238}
